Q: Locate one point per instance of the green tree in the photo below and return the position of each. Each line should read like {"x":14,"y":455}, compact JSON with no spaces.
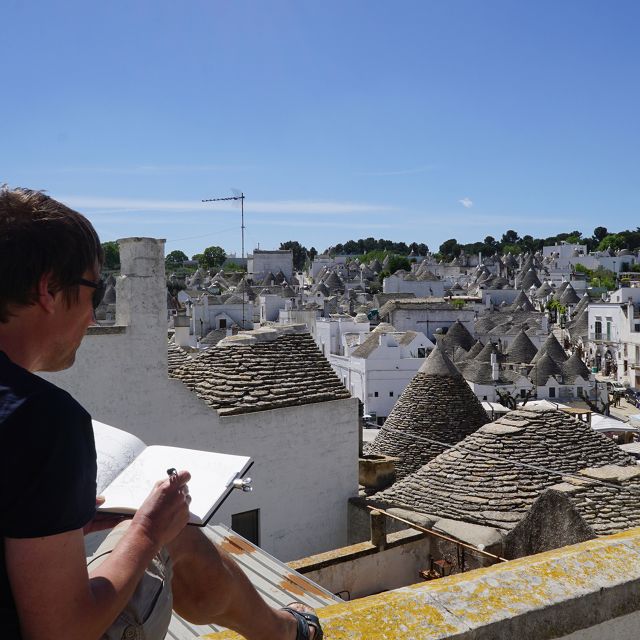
{"x":398,"y":262}
{"x":509,"y":237}
{"x":175,"y":259}
{"x":515,"y":249}
{"x":299,"y":253}
{"x":213,"y":257}
{"x":111,"y":255}
{"x":600,"y":233}
{"x":613,"y":241}
{"x":491,"y":244}
{"x":450,"y":248}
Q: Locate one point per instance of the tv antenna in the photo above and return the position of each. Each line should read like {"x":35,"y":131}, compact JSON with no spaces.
{"x":237,"y":195}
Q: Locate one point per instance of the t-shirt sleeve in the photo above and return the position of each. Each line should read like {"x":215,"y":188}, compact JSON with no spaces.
{"x":48,"y":470}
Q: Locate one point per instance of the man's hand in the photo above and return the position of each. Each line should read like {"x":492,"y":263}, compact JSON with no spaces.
{"x":164,"y":514}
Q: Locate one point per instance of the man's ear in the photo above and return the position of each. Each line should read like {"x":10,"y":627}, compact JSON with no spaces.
{"x":46,"y":296}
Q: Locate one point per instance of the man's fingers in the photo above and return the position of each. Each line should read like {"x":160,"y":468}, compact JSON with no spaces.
{"x":180,"y":478}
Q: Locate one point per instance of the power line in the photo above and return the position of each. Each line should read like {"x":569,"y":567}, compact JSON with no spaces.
{"x":203,"y":235}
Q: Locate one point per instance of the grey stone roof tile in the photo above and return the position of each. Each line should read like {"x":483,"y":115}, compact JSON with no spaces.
{"x":438,"y":404}
{"x":522,"y":302}
{"x":177,"y":356}
{"x":457,"y":336}
{"x":522,"y":350}
{"x":463,"y":484}
{"x":272,"y":369}
{"x":552,"y":347}
{"x":574,"y":367}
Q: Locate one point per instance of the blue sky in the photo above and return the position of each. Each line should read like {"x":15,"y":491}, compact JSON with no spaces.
{"x":412,"y":121}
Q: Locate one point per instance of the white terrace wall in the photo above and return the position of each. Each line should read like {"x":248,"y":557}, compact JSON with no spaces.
{"x":305,"y":456}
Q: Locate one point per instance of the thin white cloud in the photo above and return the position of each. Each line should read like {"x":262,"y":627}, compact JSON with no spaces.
{"x":467,"y":203}
{"x":397,"y":172}
{"x":153,"y":169}
{"x":320,"y":224}
{"x":296,"y":207}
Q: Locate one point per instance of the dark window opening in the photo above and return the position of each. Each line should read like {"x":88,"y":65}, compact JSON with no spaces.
{"x":247,"y":524}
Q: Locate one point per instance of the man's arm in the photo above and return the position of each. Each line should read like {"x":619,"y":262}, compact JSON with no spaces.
{"x":56,"y":598}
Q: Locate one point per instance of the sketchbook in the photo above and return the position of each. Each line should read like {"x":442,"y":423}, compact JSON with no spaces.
{"x":128,"y":470}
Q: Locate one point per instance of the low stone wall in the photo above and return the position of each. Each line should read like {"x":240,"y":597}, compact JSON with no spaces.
{"x":363,"y":569}
{"x":586,"y":591}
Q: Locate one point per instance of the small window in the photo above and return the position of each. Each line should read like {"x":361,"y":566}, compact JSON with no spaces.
{"x":247,"y":524}
{"x":552,"y":392}
{"x":391,"y":394}
{"x":375,"y":394}
{"x":422,"y":352}
{"x":523,"y":393}
{"x":222,"y":323}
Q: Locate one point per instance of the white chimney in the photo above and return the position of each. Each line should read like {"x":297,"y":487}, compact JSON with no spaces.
{"x":495,"y":370}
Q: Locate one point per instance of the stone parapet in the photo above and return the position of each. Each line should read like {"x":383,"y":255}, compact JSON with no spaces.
{"x":585,"y":591}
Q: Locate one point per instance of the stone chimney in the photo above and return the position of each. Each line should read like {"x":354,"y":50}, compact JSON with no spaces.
{"x":182,"y":324}
{"x":495,"y":370}
{"x":141,"y":293}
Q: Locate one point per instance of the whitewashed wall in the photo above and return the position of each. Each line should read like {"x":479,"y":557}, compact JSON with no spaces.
{"x":305,"y":456}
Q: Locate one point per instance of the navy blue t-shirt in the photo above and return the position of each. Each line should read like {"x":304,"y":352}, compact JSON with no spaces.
{"x":47,"y":468}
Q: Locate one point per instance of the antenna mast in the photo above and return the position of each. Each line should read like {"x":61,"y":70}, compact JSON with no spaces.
{"x":242,"y":228}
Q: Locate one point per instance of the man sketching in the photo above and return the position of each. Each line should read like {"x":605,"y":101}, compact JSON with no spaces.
{"x":50,"y":262}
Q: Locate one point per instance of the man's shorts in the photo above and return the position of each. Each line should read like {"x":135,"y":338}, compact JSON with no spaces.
{"x":148,"y":612}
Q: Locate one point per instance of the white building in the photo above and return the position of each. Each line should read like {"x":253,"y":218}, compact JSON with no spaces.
{"x":330,"y":332}
{"x":376,"y":367}
{"x":422,"y":287}
{"x":210,"y":313}
{"x":298,"y":426}
{"x":261,"y":262}
{"x":426,"y":315}
{"x":614,"y":336}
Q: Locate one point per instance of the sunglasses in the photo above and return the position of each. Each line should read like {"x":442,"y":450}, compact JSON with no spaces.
{"x":99,"y":289}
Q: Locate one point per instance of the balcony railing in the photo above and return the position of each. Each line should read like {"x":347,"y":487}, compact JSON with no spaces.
{"x":605,"y":337}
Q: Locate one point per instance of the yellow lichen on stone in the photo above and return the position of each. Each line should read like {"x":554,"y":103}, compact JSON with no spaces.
{"x":453,"y":605}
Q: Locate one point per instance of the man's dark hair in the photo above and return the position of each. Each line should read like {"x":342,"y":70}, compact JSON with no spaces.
{"x":38,"y":236}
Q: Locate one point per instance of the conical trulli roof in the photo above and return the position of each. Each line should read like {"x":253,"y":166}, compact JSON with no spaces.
{"x":553,"y":348}
{"x":584,"y":302}
{"x":474,"y":351}
{"x":569,"y":296}
{"x":437,"y":404}
{"x":573,"y":368}
{"x":544,"y":368}
{"x":494,"y":475}
{"x":529,"y":280}
{"x":579,"y":328}
{"x":457,"y":336}
{"x":543,"y":290}
{"x":523,"y":302}
{"x":522,"y":350}
{"x":487,"y":351}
